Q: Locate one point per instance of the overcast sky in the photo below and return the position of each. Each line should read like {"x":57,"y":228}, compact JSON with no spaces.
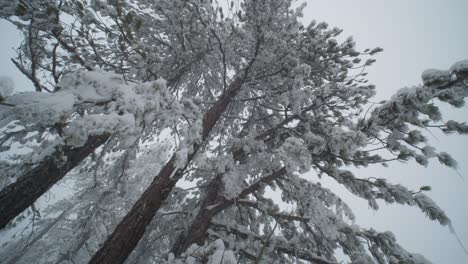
{"x":415,"y":35}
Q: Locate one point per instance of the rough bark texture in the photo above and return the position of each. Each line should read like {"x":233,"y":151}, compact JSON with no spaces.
{"x":196,"y":233}
{"x":216,"y":203}
{"x":17,"y":197}
{"x":129,"y":231}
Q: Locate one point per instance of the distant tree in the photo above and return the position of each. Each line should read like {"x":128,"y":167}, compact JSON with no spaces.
{"x":169,"y":119}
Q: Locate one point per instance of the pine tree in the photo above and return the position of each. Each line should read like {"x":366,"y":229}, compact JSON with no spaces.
{"x":173,"y":120}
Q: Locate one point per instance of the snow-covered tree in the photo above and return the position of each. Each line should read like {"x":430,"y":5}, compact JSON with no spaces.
{"x":170,"y":122}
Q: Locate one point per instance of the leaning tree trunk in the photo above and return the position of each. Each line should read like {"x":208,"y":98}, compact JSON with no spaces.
{"x":196,"y":233}
{"x":212,"y":204}
{"x":18,"y":196}
{"x":132,"y":227}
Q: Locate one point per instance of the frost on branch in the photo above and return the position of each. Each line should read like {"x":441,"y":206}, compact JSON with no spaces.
{"x":252,"y":193}
{"x":431,"y":209}
{"x":435,"y":77}
{"x":460,"y":69}
{"x":408,"y":113}
{"x":126,"y":106}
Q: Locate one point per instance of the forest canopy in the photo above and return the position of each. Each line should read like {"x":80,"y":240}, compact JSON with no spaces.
{"x":170,"y":123}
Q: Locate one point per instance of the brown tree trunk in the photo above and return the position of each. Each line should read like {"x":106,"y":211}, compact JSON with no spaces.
{"x":18,"y":196}
{"x":132,"y":227}
{"x":212,"y":204}
{"x":197,"y":231}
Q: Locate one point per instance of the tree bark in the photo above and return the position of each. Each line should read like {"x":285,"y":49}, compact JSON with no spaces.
{"x":212,"y":204}
{"x":196,"y":233}
{"x":132,"y":227}
{"x":18,"y":196}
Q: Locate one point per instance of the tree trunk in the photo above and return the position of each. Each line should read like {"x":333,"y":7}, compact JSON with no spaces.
{"x":129,"y":231}
{"x":216,"y":203}
{"x":197,"y":230}
{"x":18,"y":196}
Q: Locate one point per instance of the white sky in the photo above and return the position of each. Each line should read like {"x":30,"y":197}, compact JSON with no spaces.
{"x":415,"y":35}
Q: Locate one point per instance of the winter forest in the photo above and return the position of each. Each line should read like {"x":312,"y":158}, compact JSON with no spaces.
{"x":176,"y":131}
